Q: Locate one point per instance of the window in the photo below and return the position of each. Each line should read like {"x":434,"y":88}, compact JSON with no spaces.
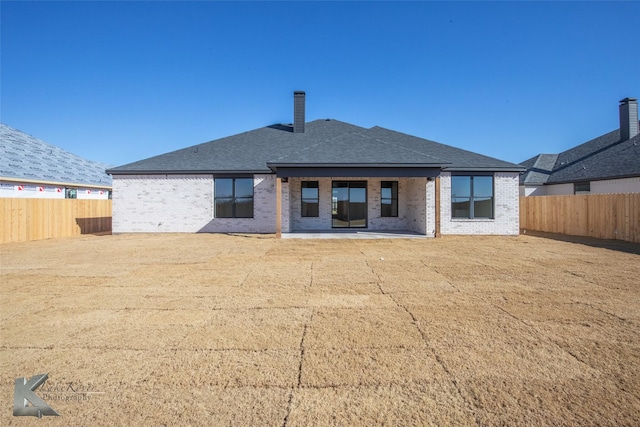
{"x":310,"y":199}
{"x":70,"y":193}
{"x":233,"y":197}
{"x":582,"y":188}
{"x":389,"y":198}
{"x":472,"y":196}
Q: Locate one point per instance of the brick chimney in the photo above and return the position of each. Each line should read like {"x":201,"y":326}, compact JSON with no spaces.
{"x":298,"y":111}
{"x":628,"y":118}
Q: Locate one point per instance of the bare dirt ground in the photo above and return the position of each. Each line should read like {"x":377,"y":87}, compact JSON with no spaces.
{"x":202,"y":329}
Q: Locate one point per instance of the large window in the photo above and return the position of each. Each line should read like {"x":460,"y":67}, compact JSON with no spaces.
{"x":310,"y":201}
{"x":472,"y":196}
{"x":389,"y":198}
{"x":233,"y":197}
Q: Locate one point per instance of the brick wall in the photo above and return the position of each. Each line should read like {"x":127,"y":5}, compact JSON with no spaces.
{"x":184,"y":203}
{"x":411,"y":204}
{"x":264,"y":211}
{"x":506,"y":205}
{"x":161,"y":203}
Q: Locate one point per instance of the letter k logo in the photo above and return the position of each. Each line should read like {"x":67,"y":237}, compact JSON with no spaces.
{"x":24,"y":394}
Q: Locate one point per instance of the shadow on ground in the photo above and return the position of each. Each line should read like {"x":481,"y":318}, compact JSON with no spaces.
{"x":615,"y":245}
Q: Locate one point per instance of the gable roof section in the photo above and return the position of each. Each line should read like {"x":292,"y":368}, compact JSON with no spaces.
{"x":325,"y":143}
{"x":539,"y":169}
{"x":247,"y":152}
{"x":23,"y":156}
{"x":604,"y":157}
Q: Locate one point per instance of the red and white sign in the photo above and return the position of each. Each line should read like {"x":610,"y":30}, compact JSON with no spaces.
{"x":41,"y":189}
{"x":20,"y":187}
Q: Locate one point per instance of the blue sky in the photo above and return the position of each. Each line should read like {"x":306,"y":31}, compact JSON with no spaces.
{"x":117,"y":82}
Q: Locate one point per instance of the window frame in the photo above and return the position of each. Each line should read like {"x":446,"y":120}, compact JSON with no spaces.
{"x":582,"y":187}
{"x":306,"y":202}
{"x":235,"y":199}
{"x":393,"y":185}
{"x":70,"y":193}
{"x":473,"y":196}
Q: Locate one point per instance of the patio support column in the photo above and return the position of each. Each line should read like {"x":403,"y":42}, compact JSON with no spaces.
{"x":278,"y":208}
{"x":437,"y":202}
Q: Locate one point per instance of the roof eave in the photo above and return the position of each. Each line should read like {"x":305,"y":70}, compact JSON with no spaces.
{"x":588,"y":179}
{"x":275,"y":165}
{"x":485,"y":169}
{"x":188,"y":172}
{"x":56,"y":183}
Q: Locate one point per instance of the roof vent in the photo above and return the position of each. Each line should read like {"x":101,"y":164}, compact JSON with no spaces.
{"x":298,"y":111}
{"x":628,"y":118}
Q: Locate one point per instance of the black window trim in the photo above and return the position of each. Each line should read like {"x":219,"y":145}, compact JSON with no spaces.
{"x":233,"y":178}
{"x":582,"y":187}
{"x":394,"y":200}
{"x":471,"y":197}
{"x":317,"y":199}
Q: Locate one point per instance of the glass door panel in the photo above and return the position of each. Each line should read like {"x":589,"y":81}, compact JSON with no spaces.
{"x":349,"y":204}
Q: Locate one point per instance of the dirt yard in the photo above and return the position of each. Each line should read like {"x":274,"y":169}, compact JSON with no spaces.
{"x":253,"y":331}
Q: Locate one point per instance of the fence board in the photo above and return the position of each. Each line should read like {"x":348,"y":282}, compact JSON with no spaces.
{"x":604,"y":216}
{"x":35,"y":219}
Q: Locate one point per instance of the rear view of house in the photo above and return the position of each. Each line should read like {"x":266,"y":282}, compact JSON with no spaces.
{"x":317,"y":176}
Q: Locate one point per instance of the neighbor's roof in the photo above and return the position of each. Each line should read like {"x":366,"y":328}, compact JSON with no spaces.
{"x":605,"y":157}
{"x":325,"y":143}
{"x":23,"y":156}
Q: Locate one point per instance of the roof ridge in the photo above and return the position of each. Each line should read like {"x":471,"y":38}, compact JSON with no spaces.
{"x":315,"y":144}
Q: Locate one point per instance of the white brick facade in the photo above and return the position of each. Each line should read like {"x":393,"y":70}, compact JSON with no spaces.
{"x":506,"y":208}
{"x":161,"y":203}
{"x":412,"y":205}
{"x":185,"y":203}
{"x":264,"y":211}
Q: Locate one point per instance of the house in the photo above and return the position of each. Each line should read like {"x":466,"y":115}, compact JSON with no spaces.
{"x":321,"y":175}
{"x":609,"y":163}
{"x":31,"y":168}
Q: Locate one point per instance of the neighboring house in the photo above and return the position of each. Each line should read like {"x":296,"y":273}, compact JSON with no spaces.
{"x":607,"y":164}
{"x":321,"y":175}
{"x":31,"y":168}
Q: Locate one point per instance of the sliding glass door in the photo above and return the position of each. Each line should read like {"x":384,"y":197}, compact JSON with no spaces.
{"x":349,"y":204}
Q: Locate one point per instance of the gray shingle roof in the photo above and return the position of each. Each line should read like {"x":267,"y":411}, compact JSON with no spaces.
{"x":23,"y":156}
{"x":324,"y":143}
{"x":539,"y":169}
{"x":604,"y":157}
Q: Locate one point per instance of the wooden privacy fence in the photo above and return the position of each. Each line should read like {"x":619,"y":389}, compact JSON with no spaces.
{"x":35,"y":219}
{"x":604,"y":216}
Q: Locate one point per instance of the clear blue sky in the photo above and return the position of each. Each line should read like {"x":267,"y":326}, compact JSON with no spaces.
{"x":121,"y":81}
